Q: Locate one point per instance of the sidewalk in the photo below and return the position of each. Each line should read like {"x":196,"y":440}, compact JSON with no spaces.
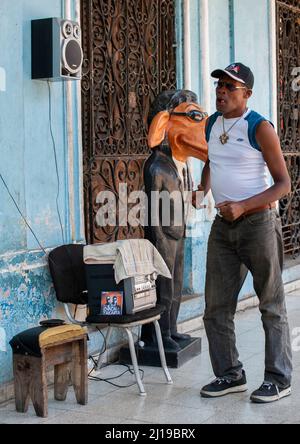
{"x":180,"y":403}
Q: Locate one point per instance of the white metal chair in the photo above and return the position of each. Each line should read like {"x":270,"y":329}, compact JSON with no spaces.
{"x":68,"y":274}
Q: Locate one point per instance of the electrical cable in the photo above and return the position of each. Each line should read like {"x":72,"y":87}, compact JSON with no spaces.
{"x":105,"y":348}
{"x":56,"y":163}
{"x":92,"y":378}
{"x":25,"y":221}
{"x":108,"y":380}
{"x":21,"y":214}
{"x":58,"y":184}
{"x":104,"y":340}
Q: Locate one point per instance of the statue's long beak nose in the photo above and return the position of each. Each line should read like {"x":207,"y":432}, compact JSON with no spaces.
{"x":196,"y":145}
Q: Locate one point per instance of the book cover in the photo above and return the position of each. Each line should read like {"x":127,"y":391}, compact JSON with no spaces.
{"x":112,"y":302}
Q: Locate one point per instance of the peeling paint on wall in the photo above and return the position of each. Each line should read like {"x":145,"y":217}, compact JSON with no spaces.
{"x":29,"y":169}
{"x":26,"y":297}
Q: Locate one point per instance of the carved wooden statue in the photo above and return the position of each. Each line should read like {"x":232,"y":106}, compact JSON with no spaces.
{"x":176,"y":132}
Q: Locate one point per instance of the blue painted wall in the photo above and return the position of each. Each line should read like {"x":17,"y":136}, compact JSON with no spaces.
{"x":28,"y":167}
{"x":26,"y":296}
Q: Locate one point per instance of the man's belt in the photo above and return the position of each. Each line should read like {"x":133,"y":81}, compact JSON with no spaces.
{"x":270,"y":206}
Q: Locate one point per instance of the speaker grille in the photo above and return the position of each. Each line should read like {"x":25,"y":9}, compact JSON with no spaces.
{"x":72,"y":56}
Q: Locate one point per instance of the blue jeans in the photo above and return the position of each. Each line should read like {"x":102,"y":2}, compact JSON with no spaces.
{"x":252,"y":243}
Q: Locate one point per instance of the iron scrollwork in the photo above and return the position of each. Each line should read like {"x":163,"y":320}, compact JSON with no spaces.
{"x":129,"y":57}
{"x":288,"y":28}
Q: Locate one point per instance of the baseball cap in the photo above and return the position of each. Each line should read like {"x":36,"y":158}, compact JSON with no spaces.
{"x":237,"y":71}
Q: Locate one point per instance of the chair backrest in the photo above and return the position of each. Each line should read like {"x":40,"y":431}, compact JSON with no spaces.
{"x":68,"y":274}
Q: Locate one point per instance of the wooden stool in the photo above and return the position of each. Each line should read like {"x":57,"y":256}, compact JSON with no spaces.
{"x":63,"y":347}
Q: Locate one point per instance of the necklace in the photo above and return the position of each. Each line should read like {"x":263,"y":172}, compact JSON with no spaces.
{"x":225,"y":137}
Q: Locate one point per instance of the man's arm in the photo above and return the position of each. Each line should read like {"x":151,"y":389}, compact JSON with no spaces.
{"x":205,"y":179}
{"x":271,"y":150}
{"x":204,"y":186}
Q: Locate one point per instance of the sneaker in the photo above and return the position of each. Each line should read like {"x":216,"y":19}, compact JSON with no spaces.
{"x":224,"y":386}
{"x":269,"y":392}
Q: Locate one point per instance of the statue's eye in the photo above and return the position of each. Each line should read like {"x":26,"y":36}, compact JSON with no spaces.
{"x":198,"y":116}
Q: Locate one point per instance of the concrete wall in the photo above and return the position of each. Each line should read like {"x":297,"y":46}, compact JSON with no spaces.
{"x":28,"y":168}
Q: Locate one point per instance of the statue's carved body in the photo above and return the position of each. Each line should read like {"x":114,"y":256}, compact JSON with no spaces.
{"x":177,"y":132}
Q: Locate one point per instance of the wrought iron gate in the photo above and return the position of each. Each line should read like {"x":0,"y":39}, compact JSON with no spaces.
{"x":288,"y":31}
{"x":129,"y":57}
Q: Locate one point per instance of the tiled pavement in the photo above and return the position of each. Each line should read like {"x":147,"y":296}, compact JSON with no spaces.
{"x":181,"y":403}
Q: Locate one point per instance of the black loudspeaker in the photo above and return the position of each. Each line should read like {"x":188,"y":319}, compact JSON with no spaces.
{"x":56,"y":49}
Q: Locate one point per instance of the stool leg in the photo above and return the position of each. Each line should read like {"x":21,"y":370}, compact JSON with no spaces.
{"x":21,"y":382}
{"x":38,"y":386}
{"x":105,"y":344}
{"x":135,"y":363}
{"x":79,"y":373}
{"x":61,"y":381}
{"x":162,"y":352}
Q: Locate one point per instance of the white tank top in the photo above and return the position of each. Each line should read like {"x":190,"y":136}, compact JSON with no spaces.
{"x":238,"y":170}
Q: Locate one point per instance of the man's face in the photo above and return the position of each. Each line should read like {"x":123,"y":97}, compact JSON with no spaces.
{"x":114,"y":300}
{"x":108,"y":300}
{"x":230,"y":101}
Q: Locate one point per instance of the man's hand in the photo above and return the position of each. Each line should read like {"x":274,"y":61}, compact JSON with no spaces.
{"x":231,"y":211}
{"x":198,"y":197}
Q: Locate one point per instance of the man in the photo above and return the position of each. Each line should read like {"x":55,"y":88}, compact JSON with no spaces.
{"x":246,"y":235}
{"x":117,"y":310}
{"x":107,"y":307}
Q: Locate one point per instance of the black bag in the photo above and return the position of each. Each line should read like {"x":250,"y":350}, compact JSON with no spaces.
{"x":68,"y":274}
